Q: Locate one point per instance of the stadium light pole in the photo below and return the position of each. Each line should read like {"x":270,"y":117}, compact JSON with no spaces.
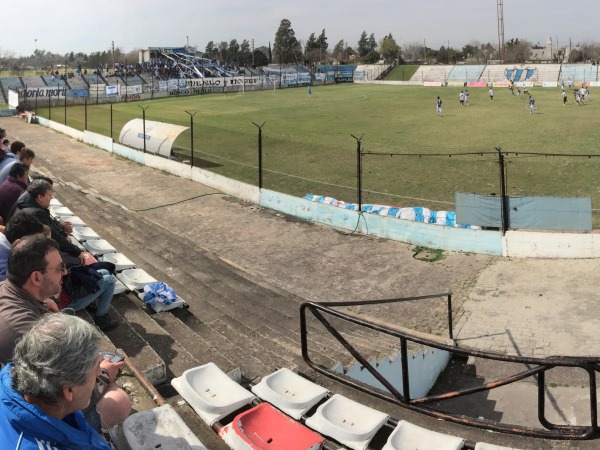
{"x":144,"y":123}
{"x":192,"y":136}
{"x":260,"y":178}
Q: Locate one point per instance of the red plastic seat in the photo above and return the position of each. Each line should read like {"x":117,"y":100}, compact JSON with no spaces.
{"x":264,"y":427}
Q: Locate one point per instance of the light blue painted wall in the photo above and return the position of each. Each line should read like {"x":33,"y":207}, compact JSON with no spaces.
{"x":428,"y":235}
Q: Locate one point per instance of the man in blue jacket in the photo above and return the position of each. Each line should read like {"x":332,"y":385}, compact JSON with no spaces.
{"x":50,"y":381}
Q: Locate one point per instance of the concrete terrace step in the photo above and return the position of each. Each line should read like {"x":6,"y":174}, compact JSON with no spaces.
{"x":127,"y":336}
{"x":225,"y":295}
{"x":217,"y":291}
{"x":176,"y":358}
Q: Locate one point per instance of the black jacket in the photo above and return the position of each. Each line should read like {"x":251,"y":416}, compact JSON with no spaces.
{"x":27,"y":205}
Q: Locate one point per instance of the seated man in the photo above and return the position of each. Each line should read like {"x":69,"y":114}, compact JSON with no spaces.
{"x":12,"y":188}
{"x":16,"y":228}
{"x":35,"y":269}
{"x":23,"y":155}
{"x":50,"y":382}
{"x":36,"y":201}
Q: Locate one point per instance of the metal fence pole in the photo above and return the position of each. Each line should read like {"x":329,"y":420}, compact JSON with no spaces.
{"x":111,"y":121}
{"x":65,"y":102}
{"x":49,"y":101}
{"x":358,"y":171}
{"x":192,"y":137}
{"x":144,"y":122}
{"x":503,"y":197}
{"x":260,"y":168}
{"x":85,"y":113}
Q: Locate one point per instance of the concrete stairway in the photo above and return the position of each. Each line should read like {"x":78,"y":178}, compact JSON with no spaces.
{"x":232,"y":320}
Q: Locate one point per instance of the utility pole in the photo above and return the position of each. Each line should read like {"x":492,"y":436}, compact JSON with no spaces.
{"x":113,"y":55}
{"x":252,"y":51}
{"x":501,"y":29}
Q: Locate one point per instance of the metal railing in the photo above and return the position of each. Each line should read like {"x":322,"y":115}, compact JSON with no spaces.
{"x":537,"y":371}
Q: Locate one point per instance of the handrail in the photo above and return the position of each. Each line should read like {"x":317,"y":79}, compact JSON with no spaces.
{"x":423,"y":404}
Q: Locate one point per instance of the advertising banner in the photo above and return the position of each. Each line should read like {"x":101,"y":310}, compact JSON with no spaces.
{"x":43,"y":92}
{"x":111,"y":91}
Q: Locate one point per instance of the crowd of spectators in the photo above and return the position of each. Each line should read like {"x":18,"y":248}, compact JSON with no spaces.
{"x":36,"y":256}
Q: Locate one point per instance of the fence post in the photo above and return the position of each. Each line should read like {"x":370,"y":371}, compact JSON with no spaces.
{"x":49,"y":101}
{"x":358,"y":171}
{"x":144,"y":122}
{"x":503,"y":197}
{"x":64,"y":102}
{"x":111,"y":122}
{"x":192,"y":136}
{"x":85,"y":114}
{"x":260,"y":177}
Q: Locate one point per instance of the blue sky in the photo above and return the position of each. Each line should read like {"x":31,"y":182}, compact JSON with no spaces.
{"x":93,"y":25}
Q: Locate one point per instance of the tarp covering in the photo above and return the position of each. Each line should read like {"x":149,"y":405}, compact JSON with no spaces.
{"x":534,"y":213}
{"x":159,"y":136}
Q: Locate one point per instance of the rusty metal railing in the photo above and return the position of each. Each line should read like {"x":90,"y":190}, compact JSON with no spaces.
{"x":537,"y":371}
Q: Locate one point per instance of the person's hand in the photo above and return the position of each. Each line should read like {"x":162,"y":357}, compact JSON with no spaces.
{"x":82,"y":258}
{"x":52,"y":306}
{"x":67,"y":227}
{"x":112,"y":368}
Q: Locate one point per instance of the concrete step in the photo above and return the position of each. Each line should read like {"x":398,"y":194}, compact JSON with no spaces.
{"x":153,"y":342}
{"x":222,"y":295}
{"x":237,"y":302}
{"x":127,"y":337}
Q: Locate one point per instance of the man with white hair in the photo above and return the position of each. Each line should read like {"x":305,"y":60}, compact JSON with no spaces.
{"x":35,"y":269}
{"x":43,"y":392}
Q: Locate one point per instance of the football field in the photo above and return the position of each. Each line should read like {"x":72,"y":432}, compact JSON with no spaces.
{"x":413,"y":157}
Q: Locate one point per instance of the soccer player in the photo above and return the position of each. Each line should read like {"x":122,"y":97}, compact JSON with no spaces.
{"x":308,"y":91}
{"x":564,"y":97}
{"x":438,"y":105}
{"x":491,"y":92}
{"x":531,"y":105}
{"x":461,"y":98}
{"x":467,"y":97}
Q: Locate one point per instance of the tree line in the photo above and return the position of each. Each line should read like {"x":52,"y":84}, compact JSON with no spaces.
{"x":288,"y":49}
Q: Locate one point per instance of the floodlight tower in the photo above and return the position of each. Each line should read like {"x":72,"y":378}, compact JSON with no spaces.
{"x":501,"y":29}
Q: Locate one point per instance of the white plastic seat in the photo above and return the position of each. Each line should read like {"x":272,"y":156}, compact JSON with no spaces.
{"x":120,"y":261}
{"x":58,"y":211}
{"x":119,"y":287}
{"x":347,"y":421}
{"x":211,"y":393}
{"x":75,"y":221}
{"x":159,"y":428}
{"x":134,"y":279}
{"x":289,"y":392}
{"x":83,"y":234}
{"x":55,"y":202}
{"x":407,"y":436}
{"x":99,"y":247}
{"x":484,"y":446}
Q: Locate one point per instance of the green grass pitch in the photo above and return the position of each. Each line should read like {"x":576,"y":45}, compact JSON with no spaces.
{"x":308,"y":147}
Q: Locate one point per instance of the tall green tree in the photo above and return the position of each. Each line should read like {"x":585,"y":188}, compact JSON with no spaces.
{"x":286,"y":48}
{"x":389,"y":49}
{"x":322,"y":41}
{"x":363,"y":44}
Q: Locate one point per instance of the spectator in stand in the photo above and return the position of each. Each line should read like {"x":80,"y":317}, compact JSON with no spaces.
{"x":5,"y":146}
{"x":44,"y":391}
{"x":36,"y":201}
{"x":16,"y":228}
{"x":35,"y":269}
{"x":18,"y":153}
{"x":12,"y":188}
